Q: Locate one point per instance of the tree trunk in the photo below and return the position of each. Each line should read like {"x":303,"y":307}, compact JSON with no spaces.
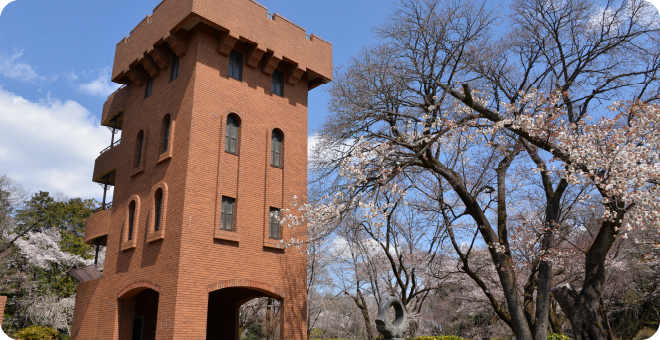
{"x":554,"y":320}
{"x":361,"y":303}
{"x":528,"y":295}
{"x":543,"y":301}
{"x":270,"y":329}
{"x":501,"y":259}
{"x":553,"y":197}
{"x":584,"y":311}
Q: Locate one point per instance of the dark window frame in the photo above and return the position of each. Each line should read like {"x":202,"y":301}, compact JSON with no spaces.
{"x":228,"y":214}
{"x":140,"y":146}
{"x":158,"y":213}
{"x":236,"y":65}
{"x":149,"y":86}
{"x":274,"y":223}
{"x":167,"y":124}
{"x":233,"y":127}
{"x":277,"y":83}
{"x":174,"y":71}
{"x":276,"y":146}
{"x":131,"y":219}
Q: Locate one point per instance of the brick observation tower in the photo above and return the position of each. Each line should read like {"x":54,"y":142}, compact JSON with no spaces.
{"x":213,"y":117}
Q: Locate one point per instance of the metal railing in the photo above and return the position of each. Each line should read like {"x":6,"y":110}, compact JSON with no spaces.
{"x":269,"y":15}
{"x":119,"y":88}
{"x":111,"y":146}
{"x":107,"y":206}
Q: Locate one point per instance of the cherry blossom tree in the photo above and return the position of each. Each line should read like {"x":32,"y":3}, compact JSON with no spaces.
{"x":42,"y":239}
{"x":524,"y":98}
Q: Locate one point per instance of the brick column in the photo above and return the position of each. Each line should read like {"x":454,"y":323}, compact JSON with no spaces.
{"x":3,"y":300}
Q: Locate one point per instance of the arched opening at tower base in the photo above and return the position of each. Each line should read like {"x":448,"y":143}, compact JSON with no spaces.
{"x":138,"y":315}
{"x":224,"y":312}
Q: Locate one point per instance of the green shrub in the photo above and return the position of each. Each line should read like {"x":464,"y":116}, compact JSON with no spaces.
{"x":37,"y":333}
{"x":555,"y":336}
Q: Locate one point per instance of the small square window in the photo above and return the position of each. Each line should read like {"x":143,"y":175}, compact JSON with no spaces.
{"x":149,"y":86}
{"x":236,"y":65}
{"x":175,"y":67}
{"x":227,"y":218}
{"x":277,"y":86}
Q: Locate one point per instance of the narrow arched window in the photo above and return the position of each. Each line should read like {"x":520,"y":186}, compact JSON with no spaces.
{"x":274,"y":224}
{"x":149,"y":87}
{"x":277,"y":83}
{"x":159,"y":208}
{"x":174,"y":73}
{"x":131,"y":219}
{"x":276,"y":149}
{"x":231,"y":139}
{"x":167,"y":121}
{"x":236,"y":65}
{"x":138,"y":151}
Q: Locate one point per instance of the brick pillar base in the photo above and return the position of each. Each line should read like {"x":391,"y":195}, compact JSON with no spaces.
{"x":3,"y":300}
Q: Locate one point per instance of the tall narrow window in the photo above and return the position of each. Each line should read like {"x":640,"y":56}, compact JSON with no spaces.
{"x":131,"y":219}
{"x":175,"y":67}
{"x":274,"y":225}
{"x":231,"y":139}
{"x":139,"y":145}
{"x":159,"y":209}
{"x":277,"y":85}
{"x":166,"y":132}
{"x":276,"y":149}
{"x":149,"y":86}
{"x":227,"y":218}
{"x":236,"y":65}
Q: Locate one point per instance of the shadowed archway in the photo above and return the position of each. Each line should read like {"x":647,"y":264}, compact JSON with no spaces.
{"x":138,"y":311}
{"x":225,"y":299}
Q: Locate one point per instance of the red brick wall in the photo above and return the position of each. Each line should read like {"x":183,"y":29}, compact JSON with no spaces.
{"x":3,"y":300}
{"x":243,"y":18}
{"x":192,"y":254}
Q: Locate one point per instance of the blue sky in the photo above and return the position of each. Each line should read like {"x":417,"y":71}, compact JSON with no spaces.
{"x":55,"y":61}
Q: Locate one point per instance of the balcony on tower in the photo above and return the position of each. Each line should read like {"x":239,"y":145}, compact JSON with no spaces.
{"x":105,"y":166}
{"x":97,"y":227}
{"x":113,"y":107}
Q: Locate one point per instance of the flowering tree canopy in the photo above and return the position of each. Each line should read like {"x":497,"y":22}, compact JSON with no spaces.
{"x":503,"y":141}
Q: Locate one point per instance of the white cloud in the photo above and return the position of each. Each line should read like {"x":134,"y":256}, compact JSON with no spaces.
{"x":3,"y":4}
{"x":340,"y":247}
{"x":50,"y":145}
{"x":311,"y":144}
{"x":10,"y":67}
{"x":656,"y":3}
{"x":101,"y":87}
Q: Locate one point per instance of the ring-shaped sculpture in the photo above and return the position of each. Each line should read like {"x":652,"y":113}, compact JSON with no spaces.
{"x":392,"y":330}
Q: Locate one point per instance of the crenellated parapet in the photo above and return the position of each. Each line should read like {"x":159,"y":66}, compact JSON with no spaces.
{"x":270,"y":39}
